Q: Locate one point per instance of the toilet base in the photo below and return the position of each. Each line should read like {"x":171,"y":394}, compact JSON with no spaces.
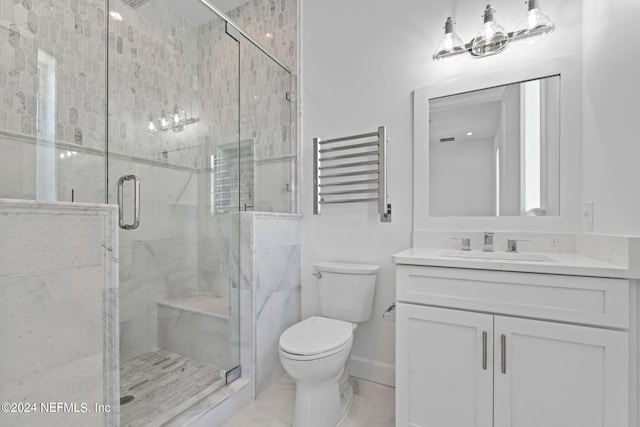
{"x":346,"y":401}
{"x":317,"y":404}
{"x":322,"y":405}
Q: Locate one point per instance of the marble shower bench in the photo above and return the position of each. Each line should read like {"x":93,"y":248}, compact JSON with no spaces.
{"x":196,"y":326}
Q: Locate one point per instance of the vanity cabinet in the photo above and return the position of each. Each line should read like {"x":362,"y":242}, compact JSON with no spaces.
{"x":467,"y":356}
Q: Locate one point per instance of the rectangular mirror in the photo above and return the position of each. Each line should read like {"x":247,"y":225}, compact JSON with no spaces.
{"x":496,"y":151}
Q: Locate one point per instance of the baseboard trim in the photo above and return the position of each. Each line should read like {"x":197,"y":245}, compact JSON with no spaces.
{"x":373,"y":370}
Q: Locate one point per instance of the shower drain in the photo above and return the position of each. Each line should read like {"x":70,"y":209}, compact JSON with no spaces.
{"x":126,"y":399}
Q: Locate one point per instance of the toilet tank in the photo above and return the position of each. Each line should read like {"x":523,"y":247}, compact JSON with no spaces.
{"x":346,"y":290}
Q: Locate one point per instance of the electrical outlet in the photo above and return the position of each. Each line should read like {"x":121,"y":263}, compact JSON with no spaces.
{"x":588,"y":216}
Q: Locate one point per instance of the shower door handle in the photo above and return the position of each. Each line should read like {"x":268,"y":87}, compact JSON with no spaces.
{"x":136,"y":201}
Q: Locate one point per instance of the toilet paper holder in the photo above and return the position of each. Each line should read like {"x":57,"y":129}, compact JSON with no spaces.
{"x":390,"y":313}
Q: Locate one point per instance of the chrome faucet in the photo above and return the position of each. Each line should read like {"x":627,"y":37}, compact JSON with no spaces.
{"x":488,"y":242}
{"x":512,"y":245}
{"x":465,"y":243}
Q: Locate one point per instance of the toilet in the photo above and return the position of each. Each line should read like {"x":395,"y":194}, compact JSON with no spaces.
{"x":315,"y":351}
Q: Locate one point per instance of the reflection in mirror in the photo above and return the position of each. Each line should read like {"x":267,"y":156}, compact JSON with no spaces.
{"x":496,"y":151}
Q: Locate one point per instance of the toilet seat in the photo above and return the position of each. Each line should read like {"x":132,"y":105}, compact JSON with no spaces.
{"x":303,"y":357}
{"x":316,"y":337}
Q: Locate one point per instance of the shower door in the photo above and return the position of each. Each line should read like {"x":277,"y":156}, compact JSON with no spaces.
{"x":173,"y":167}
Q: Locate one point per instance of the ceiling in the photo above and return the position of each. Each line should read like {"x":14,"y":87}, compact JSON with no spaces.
{"x":477,"y":112}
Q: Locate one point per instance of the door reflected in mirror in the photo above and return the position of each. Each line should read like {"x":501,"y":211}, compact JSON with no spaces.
{"x":496,"y":151}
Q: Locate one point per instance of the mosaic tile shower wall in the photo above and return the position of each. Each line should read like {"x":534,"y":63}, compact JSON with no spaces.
{"x":153,"y":54}
{"x":273,"y":23}
{"x":268,"y":99}
{"x":172,"y":63}
{"x":266,"y":119}
{"x":155,"y":57}
{"x":72,"y":34}
{"x":52,"y":101}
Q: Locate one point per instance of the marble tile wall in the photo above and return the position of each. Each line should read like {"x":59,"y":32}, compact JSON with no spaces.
{"x":72,"y":33}
{"x":269,"y":290}
{"x":159,"y":259}
{"x":277,"y":243}
{"x":59,"y":310}
{"x":218,"y":130}
{"x":266,"y":119}
{"x":157,"y":60}
{"x":197,"y":335}
{"x":265,"y":112}
{"x":52,"y":91}
{"x":153,"y":66}
{"x":274,"y":24}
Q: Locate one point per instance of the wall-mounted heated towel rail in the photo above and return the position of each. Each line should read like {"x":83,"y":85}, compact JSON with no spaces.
{"x":351,"y":169}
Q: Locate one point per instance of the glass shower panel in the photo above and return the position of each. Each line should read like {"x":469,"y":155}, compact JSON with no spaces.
{"x":52,"y":100}
{"x":265,"y":131}
{"x":173,"y":124}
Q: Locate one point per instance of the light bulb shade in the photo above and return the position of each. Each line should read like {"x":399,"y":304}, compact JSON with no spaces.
{"x":492,"y":38}
{"x":152,"y":126}
{"x":451,"y":46}
{"x":164,"y":124}
{"x":534,"y":26}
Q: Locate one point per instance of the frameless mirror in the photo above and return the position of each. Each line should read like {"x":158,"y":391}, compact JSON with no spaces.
{"x":496,"y":151}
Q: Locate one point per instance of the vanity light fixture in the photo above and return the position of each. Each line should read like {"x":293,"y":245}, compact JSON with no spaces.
{"x":492,"y":37}
{"x":152,"y":126}
{"x":176,"y":121}
{"x":115,"y":15}
{"x":451,"y":44}
{"x":164,"y":124}
{"x":534,"y":26}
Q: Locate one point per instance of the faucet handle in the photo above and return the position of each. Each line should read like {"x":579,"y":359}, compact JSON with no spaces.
{"x":512,"y":245}
{"x":465,"y":243}
{"x":487,"y":246}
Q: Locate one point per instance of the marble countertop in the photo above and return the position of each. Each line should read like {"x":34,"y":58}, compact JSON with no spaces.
{"x":555,"y":262}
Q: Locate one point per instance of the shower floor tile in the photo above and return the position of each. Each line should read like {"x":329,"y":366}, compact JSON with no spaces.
{"x":164,"y":384}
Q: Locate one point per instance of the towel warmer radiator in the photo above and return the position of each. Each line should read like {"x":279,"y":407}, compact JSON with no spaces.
{"x":351,"y":169}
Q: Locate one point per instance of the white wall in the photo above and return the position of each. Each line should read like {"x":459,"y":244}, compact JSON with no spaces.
{"x":361,"y":61}
{"x":611,"y":113}
{"x":462,"y":178}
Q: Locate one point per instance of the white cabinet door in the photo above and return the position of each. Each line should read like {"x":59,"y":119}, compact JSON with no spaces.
{"x":441,"y":380}
{"x":557,"y":375}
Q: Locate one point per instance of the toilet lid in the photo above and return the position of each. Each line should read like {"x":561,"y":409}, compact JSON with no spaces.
{"x":315,"y":335}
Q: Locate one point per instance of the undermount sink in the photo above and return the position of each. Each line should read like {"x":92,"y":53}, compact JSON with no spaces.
{"x":500,"y":256}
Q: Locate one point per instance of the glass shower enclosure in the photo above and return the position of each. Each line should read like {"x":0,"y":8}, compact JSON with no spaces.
{"x":174,"y":170}
{"x":165,"y":109}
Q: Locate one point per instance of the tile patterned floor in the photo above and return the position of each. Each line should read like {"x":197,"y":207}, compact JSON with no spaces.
{"x":373,"y":406}
{"x":164,"y":384}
